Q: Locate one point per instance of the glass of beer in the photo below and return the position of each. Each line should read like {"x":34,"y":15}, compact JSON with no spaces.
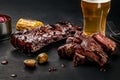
{"x":94,"y":14}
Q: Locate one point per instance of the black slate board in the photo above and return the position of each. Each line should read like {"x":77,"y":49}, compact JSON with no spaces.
{"x":51,"y":11}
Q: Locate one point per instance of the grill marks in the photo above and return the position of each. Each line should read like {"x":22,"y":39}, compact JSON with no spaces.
{"x":84,"y":48}
{"x":30,"y":41}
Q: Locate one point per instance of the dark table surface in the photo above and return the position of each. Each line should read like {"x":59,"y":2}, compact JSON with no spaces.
{"x":52,"y":11}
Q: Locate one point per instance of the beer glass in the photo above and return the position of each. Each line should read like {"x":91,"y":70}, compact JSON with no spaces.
{"x":94,"y":14}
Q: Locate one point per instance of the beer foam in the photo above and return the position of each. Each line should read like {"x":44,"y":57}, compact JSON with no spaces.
{"x":96,"y":1}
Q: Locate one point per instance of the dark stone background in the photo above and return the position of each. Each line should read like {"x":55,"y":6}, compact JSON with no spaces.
{"x":51,"y":11}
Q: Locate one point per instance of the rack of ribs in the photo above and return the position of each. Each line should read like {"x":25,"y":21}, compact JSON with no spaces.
{"x":31,"y":41}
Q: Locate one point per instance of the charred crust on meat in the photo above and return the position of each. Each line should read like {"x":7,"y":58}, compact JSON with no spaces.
{"x":31,"y":41}
{"x":108,"y":45}
{"x":88,"y":48}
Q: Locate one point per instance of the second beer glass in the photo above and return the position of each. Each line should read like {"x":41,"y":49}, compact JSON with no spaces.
{"x":94,"y":14}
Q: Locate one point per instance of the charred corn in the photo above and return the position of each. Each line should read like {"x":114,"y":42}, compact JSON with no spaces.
{"x":28,"y":24}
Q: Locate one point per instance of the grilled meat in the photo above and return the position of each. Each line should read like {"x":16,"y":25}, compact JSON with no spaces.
{"x":87,"y":48}
{"x":30,"y":41}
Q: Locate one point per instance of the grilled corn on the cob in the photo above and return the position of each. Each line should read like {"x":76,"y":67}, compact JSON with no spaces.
{"x":28,"y":24}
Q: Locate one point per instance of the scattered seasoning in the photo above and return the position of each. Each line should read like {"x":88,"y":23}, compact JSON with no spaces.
{"x":62,"y":65}
{"x":102,"y":69}
{"x":49,"y":69}
{"x":52,"y":69}
{"x":13,"y":75}
{"x":5,"y":62}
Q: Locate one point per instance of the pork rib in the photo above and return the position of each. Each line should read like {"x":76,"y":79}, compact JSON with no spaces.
{"x":84,"y":48}
{"x":108,"y":45}
{"x":91,"y":49}
{"x":33,"y":40}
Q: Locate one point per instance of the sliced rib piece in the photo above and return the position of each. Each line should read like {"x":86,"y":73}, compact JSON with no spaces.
{"x":91,"y":49}
{"x":87,"y":48}
{"x":66,"y":51}
{"x":108,"y":45}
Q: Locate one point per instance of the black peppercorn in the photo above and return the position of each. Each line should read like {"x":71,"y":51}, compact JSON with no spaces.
{"x":5,"y":62}
{"x":13,"y":75}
